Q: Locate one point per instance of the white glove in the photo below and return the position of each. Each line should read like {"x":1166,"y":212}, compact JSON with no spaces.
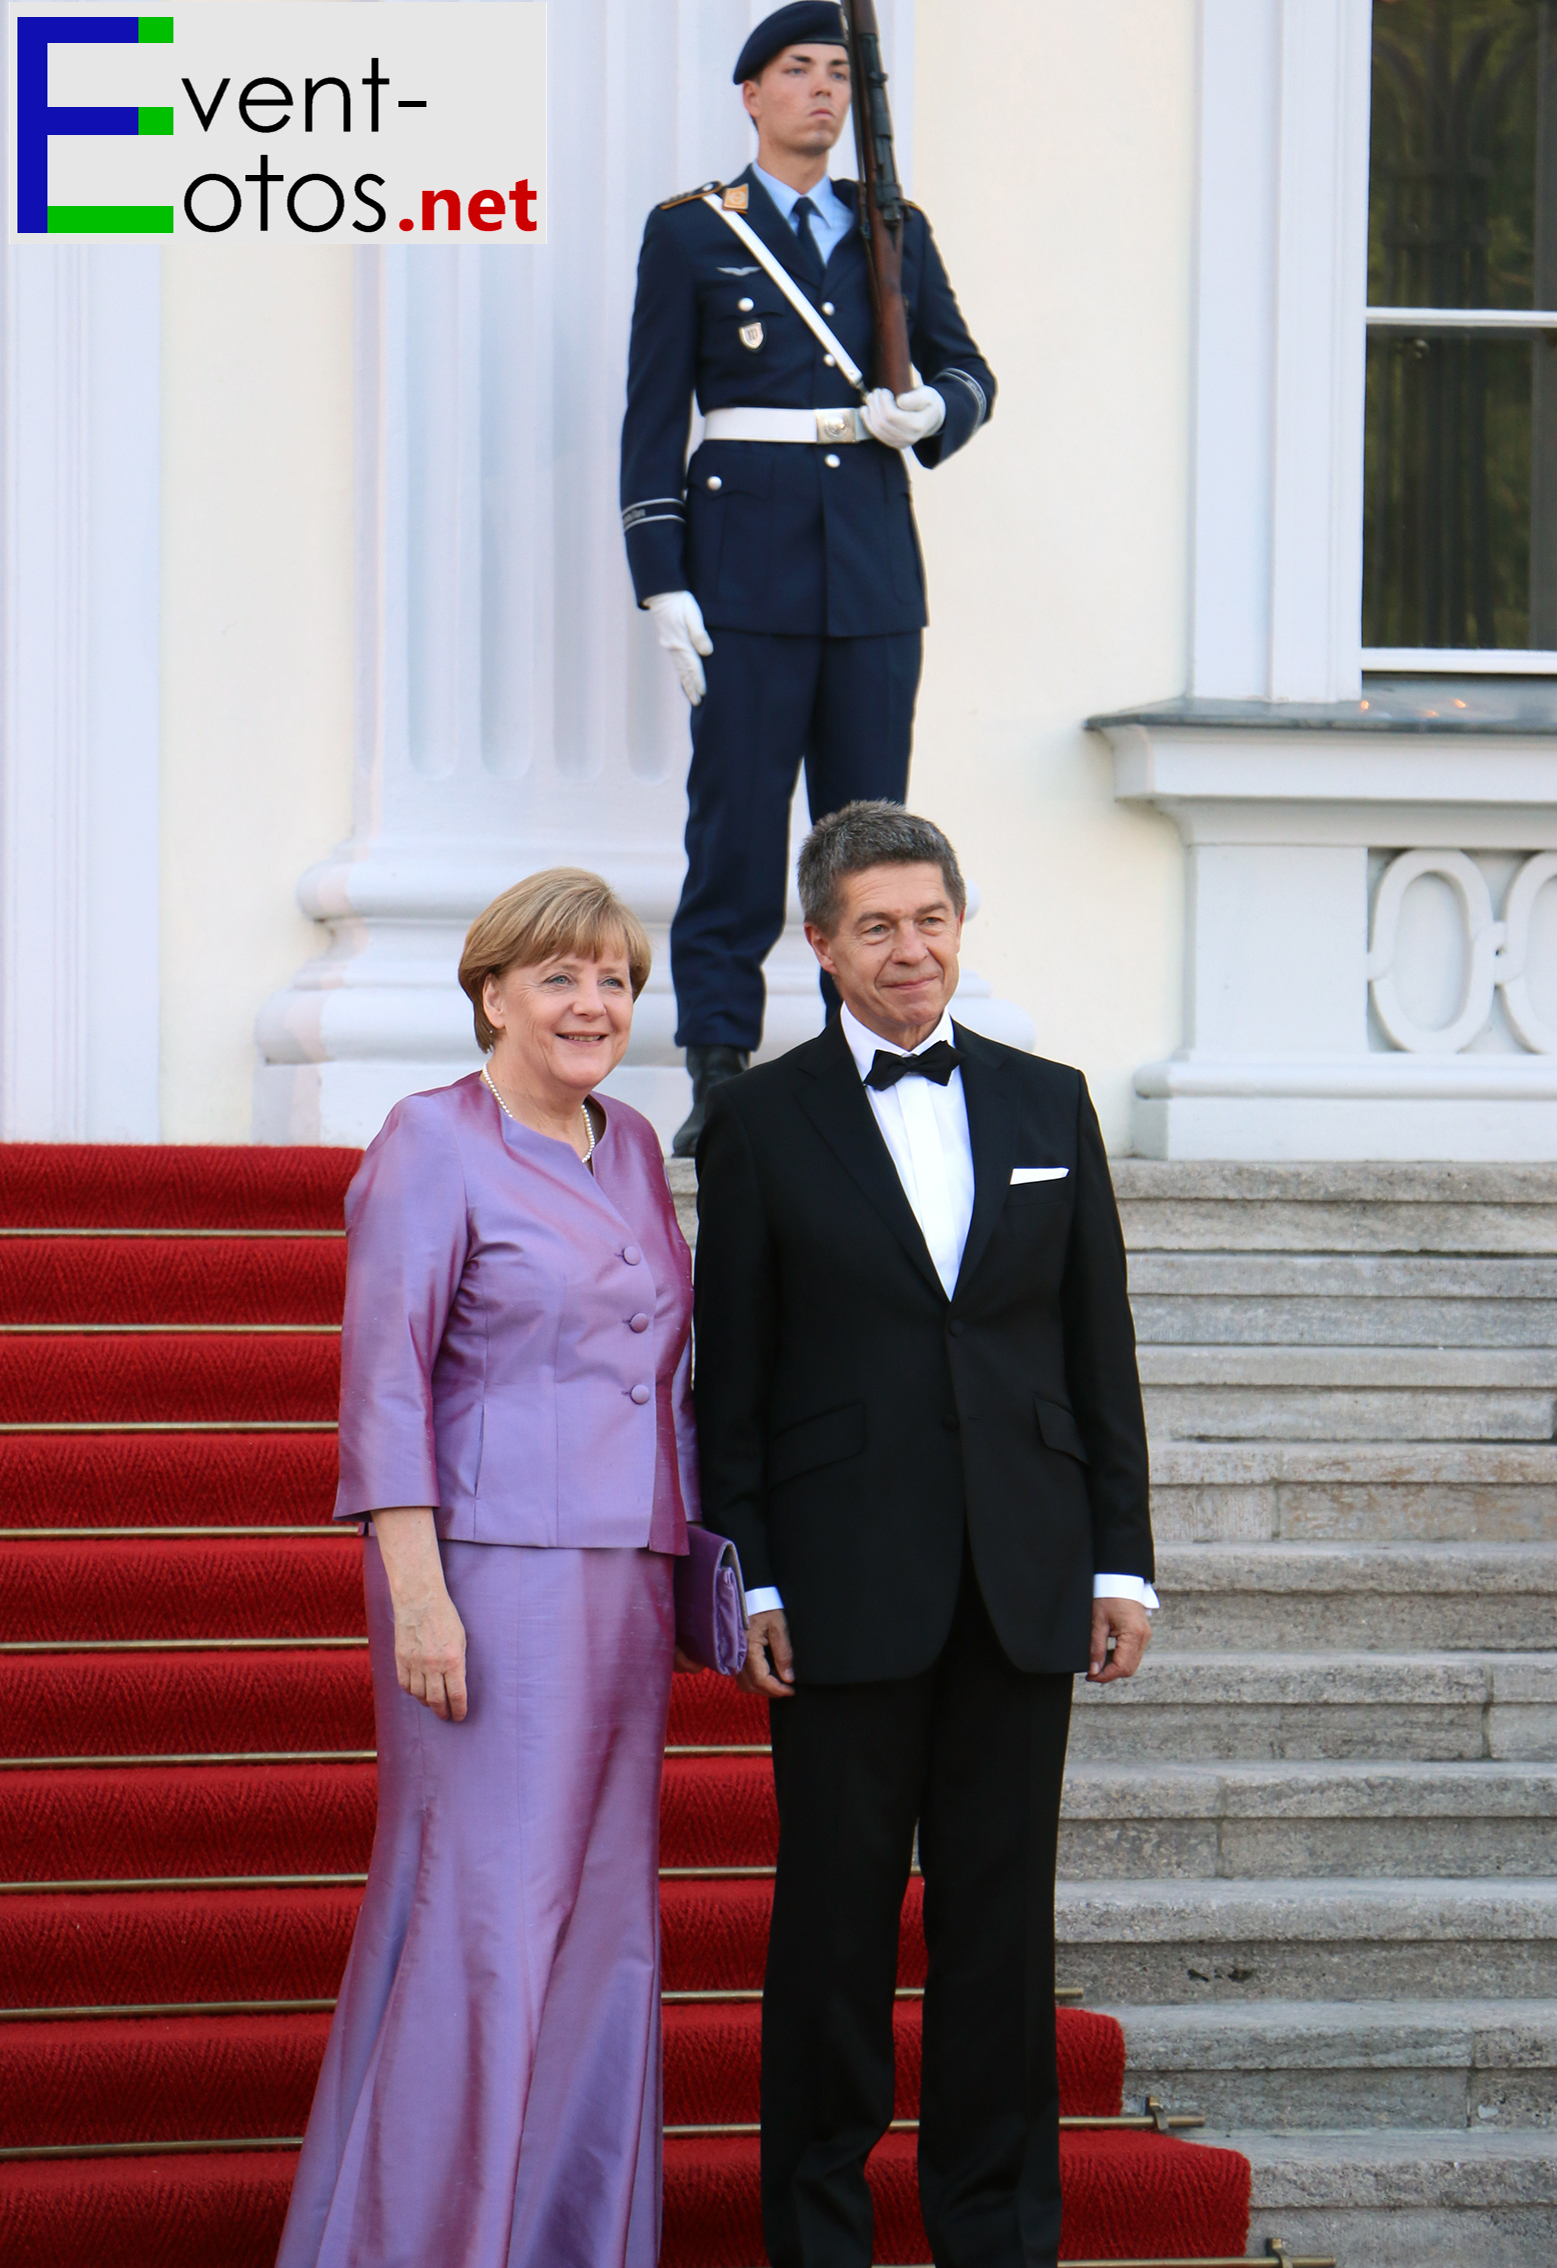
{"x":679,"y":620}
{"x":901,"y":420}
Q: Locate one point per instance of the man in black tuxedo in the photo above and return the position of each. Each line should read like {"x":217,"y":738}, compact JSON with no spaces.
{"x":919,"y":1419}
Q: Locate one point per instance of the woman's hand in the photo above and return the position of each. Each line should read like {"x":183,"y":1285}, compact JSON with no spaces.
{"x":430,"y":1653}
{"x":429,"y":1635}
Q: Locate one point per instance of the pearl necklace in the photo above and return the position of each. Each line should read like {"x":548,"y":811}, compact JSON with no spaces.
{"x":589,"y":1124}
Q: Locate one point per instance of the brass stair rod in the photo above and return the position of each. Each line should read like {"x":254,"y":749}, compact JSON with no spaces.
{"x":1275,"y":2255}
{"x":1137,"y":2122}
{"x":1242,"y":2260}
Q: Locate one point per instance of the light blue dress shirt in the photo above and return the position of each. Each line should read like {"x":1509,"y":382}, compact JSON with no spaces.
{"x":832,"y":220}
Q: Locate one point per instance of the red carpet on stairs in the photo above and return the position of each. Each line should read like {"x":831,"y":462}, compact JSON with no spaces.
{"x":159,"y":1703}
{"x":186,"y":1777}
{"x":191,"y":1480}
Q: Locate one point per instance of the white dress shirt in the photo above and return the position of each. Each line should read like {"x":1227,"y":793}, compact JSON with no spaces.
{"x":832,"y":219}
{"x":925,"y":1128}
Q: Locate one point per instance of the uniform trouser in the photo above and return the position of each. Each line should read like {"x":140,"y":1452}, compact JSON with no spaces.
{"x":974,"y":1749}
{"x":842,"y":706}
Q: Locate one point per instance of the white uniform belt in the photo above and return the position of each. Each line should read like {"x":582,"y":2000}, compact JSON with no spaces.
{"x":825,"y":426}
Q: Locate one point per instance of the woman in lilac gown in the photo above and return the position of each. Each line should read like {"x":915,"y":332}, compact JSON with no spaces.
{"x":516,"y":1440}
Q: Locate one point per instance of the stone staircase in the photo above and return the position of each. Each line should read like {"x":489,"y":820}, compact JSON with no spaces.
{"x":1307,"y":1853}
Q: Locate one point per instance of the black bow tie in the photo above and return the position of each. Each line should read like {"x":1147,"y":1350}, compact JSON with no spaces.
{"x":937,"y":1063}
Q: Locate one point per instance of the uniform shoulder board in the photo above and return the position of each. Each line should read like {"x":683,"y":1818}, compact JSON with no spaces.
{"x":688,"y":196}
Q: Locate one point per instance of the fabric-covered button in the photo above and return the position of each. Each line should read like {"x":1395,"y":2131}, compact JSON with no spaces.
{"x":830,"y":459}
{"x":714,"y":481}
{"x":639,"y":1323}
{"x":631,"y":1255}
{"x":746,"y":305}
{"x":955,"y":1329}
{"x":640,"y":1395}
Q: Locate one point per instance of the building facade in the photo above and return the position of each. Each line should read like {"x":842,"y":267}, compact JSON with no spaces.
{"x":318,"y":633}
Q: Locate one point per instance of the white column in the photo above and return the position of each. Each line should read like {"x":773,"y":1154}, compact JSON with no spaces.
{"x":1281,"y":293}
{"x":1289,"y":832}
{"x":79,"y":473}
{"x":514,"y":708}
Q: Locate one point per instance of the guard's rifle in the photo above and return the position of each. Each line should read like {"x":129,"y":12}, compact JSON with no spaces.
{"x":881,"y":196}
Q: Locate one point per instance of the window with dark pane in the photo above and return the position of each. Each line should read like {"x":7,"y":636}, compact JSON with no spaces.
{"x":1460,"y":529}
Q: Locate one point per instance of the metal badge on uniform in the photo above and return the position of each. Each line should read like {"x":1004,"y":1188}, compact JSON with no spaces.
{"x":735,"y":199}
{"x":750,"y":335}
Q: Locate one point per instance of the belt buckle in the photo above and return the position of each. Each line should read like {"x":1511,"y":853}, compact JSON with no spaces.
{"x":836,"y":425}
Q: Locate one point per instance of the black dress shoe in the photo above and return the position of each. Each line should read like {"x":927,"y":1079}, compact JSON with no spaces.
{"x":709,"y":1068}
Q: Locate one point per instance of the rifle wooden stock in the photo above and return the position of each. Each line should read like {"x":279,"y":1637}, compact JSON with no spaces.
{"x":881,"y":197}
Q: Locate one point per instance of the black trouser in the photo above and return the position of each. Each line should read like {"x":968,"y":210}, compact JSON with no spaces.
{"x":843,"y":706}
{"x":974,"y":1750}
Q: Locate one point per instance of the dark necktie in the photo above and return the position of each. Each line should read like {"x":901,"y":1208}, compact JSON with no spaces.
{"x":937,"y":1063}
{"x":803,"y":213}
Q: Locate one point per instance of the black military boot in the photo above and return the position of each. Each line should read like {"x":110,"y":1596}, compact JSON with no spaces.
{"x":709,"y":1067}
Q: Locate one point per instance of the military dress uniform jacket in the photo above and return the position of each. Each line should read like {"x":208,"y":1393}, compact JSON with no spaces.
{"x":775,"y":536}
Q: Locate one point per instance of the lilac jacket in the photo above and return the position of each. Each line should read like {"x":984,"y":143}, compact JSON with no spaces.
{"x":516,"y":1349}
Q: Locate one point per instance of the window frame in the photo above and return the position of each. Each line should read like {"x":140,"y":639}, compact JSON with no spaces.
{"x":1280,"y":329}
{"x":1463,"y":661}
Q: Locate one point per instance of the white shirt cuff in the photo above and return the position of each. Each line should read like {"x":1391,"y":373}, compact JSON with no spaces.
{"x":1113,"y":1587}
{"x":769,"y":1600}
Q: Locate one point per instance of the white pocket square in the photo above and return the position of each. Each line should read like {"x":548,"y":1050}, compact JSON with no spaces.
{"x":1038,"y":1173}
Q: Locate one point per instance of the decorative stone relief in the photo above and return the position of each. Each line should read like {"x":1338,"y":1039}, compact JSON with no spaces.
{"x":1439,"y":943}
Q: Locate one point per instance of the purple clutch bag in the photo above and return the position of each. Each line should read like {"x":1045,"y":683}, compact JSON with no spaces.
{"x":711,"y":1602}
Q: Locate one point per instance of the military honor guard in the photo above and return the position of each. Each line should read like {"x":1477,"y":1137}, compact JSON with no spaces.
{"x":782,"y":564}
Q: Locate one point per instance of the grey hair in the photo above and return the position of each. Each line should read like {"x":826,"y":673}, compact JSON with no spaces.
{"x":863,"y":835}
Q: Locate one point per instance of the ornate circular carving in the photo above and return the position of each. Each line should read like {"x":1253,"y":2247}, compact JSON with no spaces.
{"x":1529,"y":1026}
{"x":1483,"y":935}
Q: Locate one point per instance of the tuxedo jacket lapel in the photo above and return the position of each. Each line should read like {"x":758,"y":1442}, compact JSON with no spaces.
{"x":833,"y":1098}
{"x":989,"y":1090}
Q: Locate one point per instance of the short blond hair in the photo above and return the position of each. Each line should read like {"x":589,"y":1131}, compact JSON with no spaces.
{"x":564,"y":910}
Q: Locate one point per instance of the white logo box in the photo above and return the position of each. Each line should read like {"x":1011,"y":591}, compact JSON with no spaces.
{"x":243,"y":121}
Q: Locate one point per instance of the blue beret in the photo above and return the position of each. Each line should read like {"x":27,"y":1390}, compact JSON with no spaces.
{"x":802,"y":20}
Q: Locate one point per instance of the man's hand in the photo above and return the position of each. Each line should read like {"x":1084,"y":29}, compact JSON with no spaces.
{"x":901,"y":420}
{"x":1130,"y":1627}
{"x":770,"y":1659}
{"x":679,"y":620}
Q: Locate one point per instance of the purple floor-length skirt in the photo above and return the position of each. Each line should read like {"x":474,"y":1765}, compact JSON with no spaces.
{"x":490,"y":2096}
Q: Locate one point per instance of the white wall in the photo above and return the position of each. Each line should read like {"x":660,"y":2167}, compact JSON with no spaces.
{"x":257,"y":663}
{"x":1055,"y":156}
